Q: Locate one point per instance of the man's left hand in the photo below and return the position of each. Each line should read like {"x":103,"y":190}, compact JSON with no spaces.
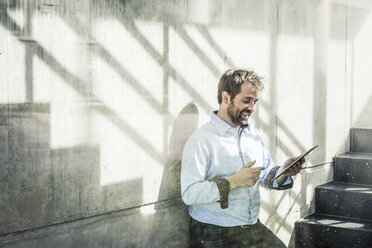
{"x":294,"y":170}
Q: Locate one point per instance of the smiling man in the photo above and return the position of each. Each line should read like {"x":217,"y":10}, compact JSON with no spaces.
{"x":223,"y":164}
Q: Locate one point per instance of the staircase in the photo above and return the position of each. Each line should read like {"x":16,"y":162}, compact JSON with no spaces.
{"x":343,"y":208}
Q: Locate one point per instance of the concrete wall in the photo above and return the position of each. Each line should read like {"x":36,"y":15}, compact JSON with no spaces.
{"x":97,"y":98}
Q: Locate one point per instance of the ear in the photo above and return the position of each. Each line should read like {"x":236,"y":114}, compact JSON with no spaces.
{"x":225,"y":97}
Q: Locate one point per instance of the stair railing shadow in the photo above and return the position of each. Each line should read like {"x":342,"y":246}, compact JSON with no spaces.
{"x":173,"y":73}
{"x":80,"y":86}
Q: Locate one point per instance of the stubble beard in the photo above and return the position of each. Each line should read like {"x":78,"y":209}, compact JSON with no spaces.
{"x":234,"y":113}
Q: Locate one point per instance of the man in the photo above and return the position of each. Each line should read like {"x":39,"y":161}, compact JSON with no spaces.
{"x":223,"y":163}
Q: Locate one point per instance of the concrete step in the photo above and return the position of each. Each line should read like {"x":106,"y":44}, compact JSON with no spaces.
{"x":360,"y":139}
{"x":331,"y":231}
{"x":342,"y":199}
{"x":353,"y":168}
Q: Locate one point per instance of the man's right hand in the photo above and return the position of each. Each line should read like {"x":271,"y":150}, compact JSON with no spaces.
{"x":246,"y":176}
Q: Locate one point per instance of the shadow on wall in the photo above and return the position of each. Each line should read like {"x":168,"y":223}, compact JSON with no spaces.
{"x":125,"y":11}
{"x":364,"y":118}
{"x":41,"y":186}
{"x":175,"y":225}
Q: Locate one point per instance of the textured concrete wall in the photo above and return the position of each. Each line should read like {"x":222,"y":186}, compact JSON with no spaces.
{"x":98,"y":97}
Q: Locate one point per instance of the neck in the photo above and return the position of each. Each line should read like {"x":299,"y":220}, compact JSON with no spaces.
{"x":225,"y":117}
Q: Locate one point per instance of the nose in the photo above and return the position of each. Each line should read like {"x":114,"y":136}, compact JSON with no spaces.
{"x":251,"y":107}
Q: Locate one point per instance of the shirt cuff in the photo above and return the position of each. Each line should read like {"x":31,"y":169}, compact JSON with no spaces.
{"x":269,"y":184}
{"x":286,"y":182}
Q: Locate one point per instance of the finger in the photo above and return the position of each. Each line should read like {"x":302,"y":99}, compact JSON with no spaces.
{"x":292,"y":171}
{"x":296,"y":165}
{"x":257,"y":169}
{"x":256,"y":175}
{"x":250,"y":164}
{"x":253,"y":174}
{"x":295,"y":170}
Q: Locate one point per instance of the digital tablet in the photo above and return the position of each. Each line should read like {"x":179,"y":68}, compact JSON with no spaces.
{"x":294,"y":162}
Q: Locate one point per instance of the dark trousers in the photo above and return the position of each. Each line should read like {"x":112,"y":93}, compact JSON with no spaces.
{"x":253,"y":236}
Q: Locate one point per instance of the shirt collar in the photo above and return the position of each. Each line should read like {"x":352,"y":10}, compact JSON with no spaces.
{"x":222,"y":126}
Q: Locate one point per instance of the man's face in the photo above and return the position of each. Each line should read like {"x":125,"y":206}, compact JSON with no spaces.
{"x":243,"y":105}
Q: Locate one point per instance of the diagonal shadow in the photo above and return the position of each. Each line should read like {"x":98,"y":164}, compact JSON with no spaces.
{"x":180,"y":29}
{"x":283,"y":223}
{"x":100,"y":50}
{"x":77,"y":84}
{"x":81,"y":87}
{"x":129,"y":24}
{"x":103,"y":110}
{"x":285,"y":129}
{"x":129,"y":78}
{"x":204,"y":31}
{"x":144,"y":42}
{"x":280,"y":123}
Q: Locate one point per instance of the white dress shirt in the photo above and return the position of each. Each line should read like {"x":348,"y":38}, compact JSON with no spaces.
{"x":215,"y":151}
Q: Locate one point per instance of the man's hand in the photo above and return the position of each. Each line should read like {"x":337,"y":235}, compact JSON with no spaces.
{"x":294,"y":170}
{"x":246,"y":176}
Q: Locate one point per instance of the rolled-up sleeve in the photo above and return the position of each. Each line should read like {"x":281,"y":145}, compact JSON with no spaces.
{"x":195,"y":188}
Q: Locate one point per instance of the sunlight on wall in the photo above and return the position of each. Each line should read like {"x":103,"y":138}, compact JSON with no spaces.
{"x":115,"y":79}
{"x":198,"y":11}
{"x":18,"y":16}
{"x":153,"y":32}
{"x":295,"y":95}
{"x":274,"y":211}
{"x":249,"y":49}
{"x":42,"y":81}
{"x":361,"y":79}
{"x":124,"y":158}
{"x":13,"y":83}
{"x":148,"y":210}
{"x":128,"y":80}
{"x":119,"y":157}
{"x":69,"y":124}
{"x":338,"y":98}
{"x":136,"y":66}
{"x":61,"y":43}
{"x":290,"y":97}
{"x":3,"y":64}
{"x":202,"y":82}
{"x":69,"y":121}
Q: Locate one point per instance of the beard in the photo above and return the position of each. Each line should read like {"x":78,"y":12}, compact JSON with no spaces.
{"x":237,"y":117}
